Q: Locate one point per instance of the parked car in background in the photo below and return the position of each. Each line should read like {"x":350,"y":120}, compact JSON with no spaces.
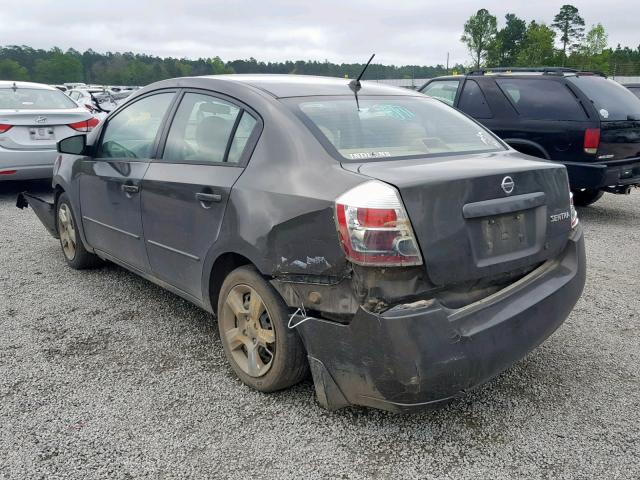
{"x":585,"y":121}
{"x":33,"y":118}
{"x":396,"y":248}
{"x":635,"y":88}
{"x":96,"y":100}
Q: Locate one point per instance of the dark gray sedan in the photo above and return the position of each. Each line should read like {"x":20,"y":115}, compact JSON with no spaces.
{"x":380,"y":239}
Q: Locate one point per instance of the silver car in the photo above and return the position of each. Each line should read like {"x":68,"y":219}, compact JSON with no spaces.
{"x":33,"y":118}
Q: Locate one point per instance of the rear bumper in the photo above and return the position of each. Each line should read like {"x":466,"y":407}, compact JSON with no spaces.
{"x":28,"y":164}
{"x":599,"y":175}
{"x":43,"y":209}
{"x":412,"y":356}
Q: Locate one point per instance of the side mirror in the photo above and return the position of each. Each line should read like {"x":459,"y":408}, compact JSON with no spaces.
{"x":75,"y":145}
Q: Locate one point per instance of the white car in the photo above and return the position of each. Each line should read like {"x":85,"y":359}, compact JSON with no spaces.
{"x":33,"y":118}
{"x":94,"y":99}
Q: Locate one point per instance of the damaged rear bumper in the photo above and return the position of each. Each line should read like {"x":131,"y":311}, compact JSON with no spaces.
{"x":43,"y":209}
{"x":414,"y":355}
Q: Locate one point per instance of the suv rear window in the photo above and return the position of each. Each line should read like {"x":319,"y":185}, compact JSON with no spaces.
{"x":34,"y":99}
{"x":611,"y":100}
{"x":393,"y":127}
{"x":542,"y":98}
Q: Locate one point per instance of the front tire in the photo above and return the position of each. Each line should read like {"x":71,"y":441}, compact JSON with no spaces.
{"x":252,"y":320}
{"x":583,"y":198}
{"x":76,"y":256}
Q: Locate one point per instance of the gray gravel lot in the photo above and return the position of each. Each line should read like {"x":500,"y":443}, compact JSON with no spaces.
{"x":104,"y":375}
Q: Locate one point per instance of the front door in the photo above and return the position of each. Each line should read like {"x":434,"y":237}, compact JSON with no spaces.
{"x":185,"y":191}
{"x":110,"y":183}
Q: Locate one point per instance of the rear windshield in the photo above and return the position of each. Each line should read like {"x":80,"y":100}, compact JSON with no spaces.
{"x":34,"y":99}
{"x":635,"y":91}
{"x":611,"y":100}
{"x":393,"y":127}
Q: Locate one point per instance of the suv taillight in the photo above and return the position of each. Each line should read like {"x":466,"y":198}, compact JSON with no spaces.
{"x":4,"y":127}
{"x":591,"y":140}
{"x":85,"y":125}
{"x":374,"y":228}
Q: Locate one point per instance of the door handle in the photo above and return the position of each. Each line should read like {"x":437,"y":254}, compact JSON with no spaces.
{"x":130,"y":188}
{"x":205,"y":198}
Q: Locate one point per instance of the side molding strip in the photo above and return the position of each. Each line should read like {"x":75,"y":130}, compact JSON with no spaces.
{"x":124,"y":232}
{"x":174,"y":250}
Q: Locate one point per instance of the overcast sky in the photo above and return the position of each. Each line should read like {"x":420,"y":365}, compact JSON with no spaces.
{"x":399,"y":32}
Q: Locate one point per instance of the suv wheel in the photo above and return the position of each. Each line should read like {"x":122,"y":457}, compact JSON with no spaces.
{"x":252,"y":320}
{"x":585,"y":197}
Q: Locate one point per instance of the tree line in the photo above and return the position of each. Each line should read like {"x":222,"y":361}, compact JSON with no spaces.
{"x":563,"y":42}
{"x":56,"y":66}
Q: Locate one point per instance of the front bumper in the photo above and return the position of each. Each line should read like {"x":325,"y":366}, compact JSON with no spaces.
{"x":414,"y":355}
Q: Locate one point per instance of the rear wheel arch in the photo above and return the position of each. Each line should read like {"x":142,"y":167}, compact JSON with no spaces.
{"x":223,"y":265}
{"x":528,"y":148}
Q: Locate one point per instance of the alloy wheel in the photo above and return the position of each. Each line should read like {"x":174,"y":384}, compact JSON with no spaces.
{"x":67,"y":231}
{"x":248,"y":330}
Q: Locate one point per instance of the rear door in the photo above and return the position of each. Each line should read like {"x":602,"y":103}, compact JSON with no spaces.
{"x":185,"y":191}
{"x":110,"y":183}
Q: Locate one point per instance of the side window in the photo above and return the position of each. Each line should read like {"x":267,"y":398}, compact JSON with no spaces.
{"x":200,"y":130}
{"x":444,"y":90}
{"x":132,"y":132}
{"x":541,"y":99}
{"x":473,"y":101}
{"x":245,"y":128}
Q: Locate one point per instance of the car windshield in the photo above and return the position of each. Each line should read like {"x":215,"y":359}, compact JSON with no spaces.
{"x":393,"y":127}
{"x":635,"y":91}
{"x":34,"y":99}
{"x":611,"y":100}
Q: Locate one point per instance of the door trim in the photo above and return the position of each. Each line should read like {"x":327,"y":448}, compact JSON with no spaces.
{"x":174,"y":250}
{"x":115,"y":229}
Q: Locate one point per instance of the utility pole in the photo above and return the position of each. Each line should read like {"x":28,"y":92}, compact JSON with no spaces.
{"x":447,"y":63}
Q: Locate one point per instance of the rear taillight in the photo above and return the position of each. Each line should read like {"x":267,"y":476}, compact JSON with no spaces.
{"x":85,"y":125}
{"x":4,"y":127}
{"x":8,"y":172}
{"x":591,"y":140}
{"x":574,"y":212}
{"x":374,"y":228}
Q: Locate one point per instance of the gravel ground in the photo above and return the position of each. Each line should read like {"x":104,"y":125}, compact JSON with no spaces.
{"x":104,"y":375}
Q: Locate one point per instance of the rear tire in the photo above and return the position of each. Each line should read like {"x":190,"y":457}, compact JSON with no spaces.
{"x":252,"y":320}
{"x":76,"y":256}
{"x":583,"y":198}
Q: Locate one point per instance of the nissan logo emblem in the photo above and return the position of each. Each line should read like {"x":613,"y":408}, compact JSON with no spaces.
{"x":508,"y":185}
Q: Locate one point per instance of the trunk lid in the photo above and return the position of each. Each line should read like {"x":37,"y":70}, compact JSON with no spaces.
{"x":619,"y":139}
{"x":468,"y":226}
{"x":40,"y":129}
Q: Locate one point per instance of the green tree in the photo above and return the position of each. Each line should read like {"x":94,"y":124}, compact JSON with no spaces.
{"x":479,"y":34}
{"x":218,"y":66}
{"x":59,"y":68}
{"x":504,"y":50}
{"x":596,"y":40}
{"x":12,"y":70}
{"x":570,"y":25}
{"x":538,"y":49}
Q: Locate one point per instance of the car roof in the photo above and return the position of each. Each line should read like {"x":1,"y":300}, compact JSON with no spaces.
{"x":281,"y":86}
{"x":10,"y":84}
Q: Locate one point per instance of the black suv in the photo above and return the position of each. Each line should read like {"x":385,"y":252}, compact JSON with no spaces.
{"x":587,"y":122}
